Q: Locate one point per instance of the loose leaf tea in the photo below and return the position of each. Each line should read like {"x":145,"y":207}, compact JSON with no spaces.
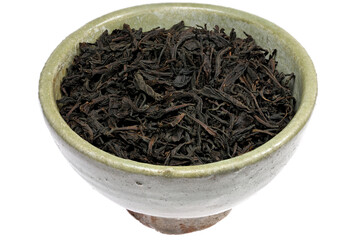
{"x":178,"y":96}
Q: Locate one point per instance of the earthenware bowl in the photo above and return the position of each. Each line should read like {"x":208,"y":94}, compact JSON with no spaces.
{"x":180,"y":199}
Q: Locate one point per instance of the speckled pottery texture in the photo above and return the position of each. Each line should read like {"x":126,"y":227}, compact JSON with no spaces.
{"x":192,"y":191}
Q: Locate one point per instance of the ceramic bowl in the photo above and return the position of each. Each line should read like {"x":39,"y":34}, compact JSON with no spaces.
{"x":188,"y":198}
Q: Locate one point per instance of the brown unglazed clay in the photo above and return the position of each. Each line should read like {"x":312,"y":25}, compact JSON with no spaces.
{"x":178,"y":225}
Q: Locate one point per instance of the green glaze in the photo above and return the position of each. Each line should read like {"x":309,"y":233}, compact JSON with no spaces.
{"x":291,"y":57}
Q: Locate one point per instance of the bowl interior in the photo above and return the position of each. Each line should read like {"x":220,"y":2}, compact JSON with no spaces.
{"x":167,"y":16}
{"x":291,"y":57}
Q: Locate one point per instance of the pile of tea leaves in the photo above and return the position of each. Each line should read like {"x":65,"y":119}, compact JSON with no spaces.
{"x":178,"y":96}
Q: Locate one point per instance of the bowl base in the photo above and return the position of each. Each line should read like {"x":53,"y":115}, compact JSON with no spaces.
{"x":178,"y":225}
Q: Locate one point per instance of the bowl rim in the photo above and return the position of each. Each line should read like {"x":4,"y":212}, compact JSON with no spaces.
{"x":56,"y":122}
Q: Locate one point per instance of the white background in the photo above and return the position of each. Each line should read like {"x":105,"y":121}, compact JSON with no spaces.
{"x":316,"y":196}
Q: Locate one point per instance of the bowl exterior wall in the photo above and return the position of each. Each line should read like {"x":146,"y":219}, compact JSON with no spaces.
{"x":177,"y":197}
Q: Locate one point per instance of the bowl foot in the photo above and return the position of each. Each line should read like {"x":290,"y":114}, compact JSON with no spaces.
{"x":178,"y":225}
